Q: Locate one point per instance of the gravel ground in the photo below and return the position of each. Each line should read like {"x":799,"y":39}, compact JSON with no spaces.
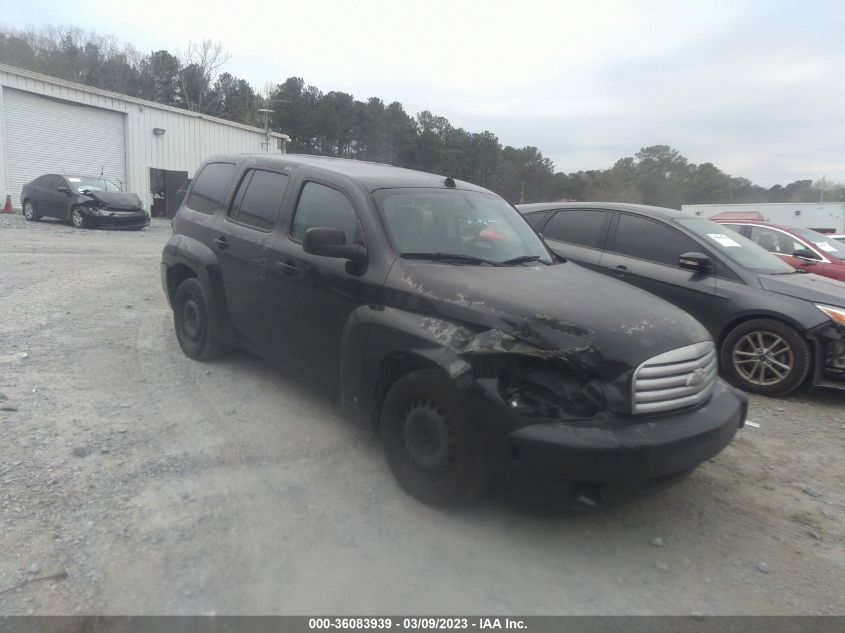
{"x":136,"y":481}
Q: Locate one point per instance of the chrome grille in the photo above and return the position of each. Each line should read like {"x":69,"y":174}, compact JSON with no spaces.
{"x":679,"y":378}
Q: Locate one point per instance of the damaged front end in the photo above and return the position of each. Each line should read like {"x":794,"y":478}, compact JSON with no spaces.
{"x":518,"y":381}
{"x":567,"y":411}
{"x":533,"y":382}
{"x":830,"y":357}
{"x":109,"y":210}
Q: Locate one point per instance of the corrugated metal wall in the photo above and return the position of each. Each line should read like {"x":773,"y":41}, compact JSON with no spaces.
{"x":825,"y":215}
{"x":50,"y":136}
{"x":187,"y":141}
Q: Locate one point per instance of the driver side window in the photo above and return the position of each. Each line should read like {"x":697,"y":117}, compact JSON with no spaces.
{"x":779,"y":243}
{"x":324,"y":207}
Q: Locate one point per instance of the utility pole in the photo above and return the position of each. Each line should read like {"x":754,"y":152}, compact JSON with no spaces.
{"x":266,"y":143}
{"x":266,"y":112}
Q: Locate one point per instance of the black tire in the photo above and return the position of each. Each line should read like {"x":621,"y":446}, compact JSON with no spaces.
{"x":436,"y":452}
{"x":195,"y":324}
{"x":30,"y":212}
{"x":766,"y":357}
{"x":78,"y":219}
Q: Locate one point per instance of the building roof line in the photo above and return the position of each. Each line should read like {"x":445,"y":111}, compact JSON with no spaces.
{"x":755,"y":204}
{"x":14,"y":70}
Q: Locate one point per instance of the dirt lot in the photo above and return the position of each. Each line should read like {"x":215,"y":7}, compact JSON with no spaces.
{"x":163,"y":485}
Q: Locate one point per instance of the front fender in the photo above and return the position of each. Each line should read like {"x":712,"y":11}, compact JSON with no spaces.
{"x":481,"y":362}
{"x":396,"y":338}
{"x":75,"y":201}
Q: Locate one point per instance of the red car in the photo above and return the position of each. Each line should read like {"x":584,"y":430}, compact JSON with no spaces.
{"x":803,"y":249}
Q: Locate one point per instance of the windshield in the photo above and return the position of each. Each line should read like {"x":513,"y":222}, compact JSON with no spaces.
{"x":469,"y":224}
{"x":86,"y":183}
{"x":735,"y":247}
{"x":825,"y":243}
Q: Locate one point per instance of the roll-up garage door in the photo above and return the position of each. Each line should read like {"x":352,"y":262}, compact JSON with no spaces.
{"x":47,"y":136}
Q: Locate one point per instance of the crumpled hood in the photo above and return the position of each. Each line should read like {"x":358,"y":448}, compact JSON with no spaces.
{"x":119,"y":200}
{"x":604,"y":325}
{"x":809,"y":287}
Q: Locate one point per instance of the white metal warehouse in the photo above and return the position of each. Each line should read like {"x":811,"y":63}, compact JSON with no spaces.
{"x":49,"y":125}
{"x":826,"y":216}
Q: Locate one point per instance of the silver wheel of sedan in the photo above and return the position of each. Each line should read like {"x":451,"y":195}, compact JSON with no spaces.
{"x":77,"y":219}
{"x":763,"y":358}
{"x":29,"y":211}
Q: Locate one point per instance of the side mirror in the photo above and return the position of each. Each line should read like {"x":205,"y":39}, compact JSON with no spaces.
{"x":698,"y":262}
{"x":63,"y":189}
{"x":332,"y":243}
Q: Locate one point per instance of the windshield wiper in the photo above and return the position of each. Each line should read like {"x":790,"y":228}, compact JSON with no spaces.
{"x":522,"y":259}
{"x":470,"y":259}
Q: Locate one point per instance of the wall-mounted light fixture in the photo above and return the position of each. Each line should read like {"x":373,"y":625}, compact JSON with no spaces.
{"x":159,"y":131}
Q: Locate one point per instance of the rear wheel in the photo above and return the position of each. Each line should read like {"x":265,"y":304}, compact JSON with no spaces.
{"x":195,"y":325}
{"x":437,"y":453}
{"x":766,"y":357}
{"x":29,"y":212}
{"x":78,"y":219}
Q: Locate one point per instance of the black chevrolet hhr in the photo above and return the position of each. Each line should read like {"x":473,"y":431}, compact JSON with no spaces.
{"x":441,"y":318}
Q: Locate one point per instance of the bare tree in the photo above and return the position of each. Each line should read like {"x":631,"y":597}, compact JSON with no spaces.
{"x":201,"y":64}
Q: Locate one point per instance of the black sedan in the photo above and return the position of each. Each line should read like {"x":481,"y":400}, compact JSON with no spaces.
{"x":775,"y":326}
{"x":87,"y":202}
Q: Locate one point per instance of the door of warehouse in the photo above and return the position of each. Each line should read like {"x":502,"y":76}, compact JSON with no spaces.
{"x":49,"y":136}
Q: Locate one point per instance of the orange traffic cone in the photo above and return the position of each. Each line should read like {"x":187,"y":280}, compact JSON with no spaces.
{"x":8,"y":207}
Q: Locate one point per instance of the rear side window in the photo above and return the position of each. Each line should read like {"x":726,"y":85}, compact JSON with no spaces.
{"x":582,"y":227}
{"x":321,"y":206}
{"x":259,"y":198}
{"x":536,"y":218}
{"x":650,"y":240}
{"x":210,"y":187}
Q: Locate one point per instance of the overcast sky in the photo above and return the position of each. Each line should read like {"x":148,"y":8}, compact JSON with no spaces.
{"x":757,"y":88}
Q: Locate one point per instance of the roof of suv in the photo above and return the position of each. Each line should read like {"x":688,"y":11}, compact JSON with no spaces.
{"x":371,"y":175}
{"x":640,"y":209}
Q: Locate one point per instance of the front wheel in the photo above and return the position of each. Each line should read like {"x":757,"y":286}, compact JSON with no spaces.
{"x":766,"y":357}
{"x":78,"y":219}
{"x":29,"y":211}
{"x":436,"y":452}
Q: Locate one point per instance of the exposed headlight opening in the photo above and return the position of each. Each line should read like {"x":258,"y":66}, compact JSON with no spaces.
{"x":549,"y":393}
{"x":837,"y":315}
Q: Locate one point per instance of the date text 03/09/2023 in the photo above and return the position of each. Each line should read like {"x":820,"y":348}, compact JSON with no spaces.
{"x":413,"y":624}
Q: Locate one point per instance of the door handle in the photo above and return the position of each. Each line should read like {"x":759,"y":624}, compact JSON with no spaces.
{"x":287,"y":267}
{"x":620,"y":270}
{"x":221,"y":243}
